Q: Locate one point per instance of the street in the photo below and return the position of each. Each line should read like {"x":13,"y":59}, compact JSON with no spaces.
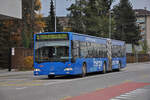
{"x":136,"y":77}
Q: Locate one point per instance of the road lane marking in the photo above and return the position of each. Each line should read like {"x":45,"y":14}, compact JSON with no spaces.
{"x":58,"y":82}
{"x":37,"y":81}
{"x":32,"y":83}
{"x":82,"y":93}
{"x":130,"y":94}
{"x":41,"y":81}
{"x":109,"y":85}
{"x":121,"y":97}
{"x":1,"y":83}
{"x":124,"y":95}
{"x":12,"y":81}
{"x":126,"y":81}
{"x":5,"y":76}
{"x":145,"y":76}
{"x":66,"y":97}
{"x":21,"y":84}
{"x":21,"y":88}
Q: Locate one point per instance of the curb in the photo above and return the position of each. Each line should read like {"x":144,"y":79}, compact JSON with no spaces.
{"x":16,"y":73}
{"x":138,"y":63}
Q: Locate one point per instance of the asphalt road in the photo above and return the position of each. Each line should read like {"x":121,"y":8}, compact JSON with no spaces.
{"x":29,"y":87}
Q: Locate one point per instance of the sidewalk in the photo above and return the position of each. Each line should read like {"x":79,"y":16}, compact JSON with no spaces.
{"x":5,"y":72}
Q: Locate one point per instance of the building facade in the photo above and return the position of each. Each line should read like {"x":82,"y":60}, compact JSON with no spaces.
{"x":64,"y":22}
{"x":10,"y":8}
{"x":143,"y":21}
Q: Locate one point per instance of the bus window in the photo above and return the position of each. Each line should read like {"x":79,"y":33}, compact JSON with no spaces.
{"x":52,"y":51}
{"x":83,"y":49}
{"x":75,"y":49}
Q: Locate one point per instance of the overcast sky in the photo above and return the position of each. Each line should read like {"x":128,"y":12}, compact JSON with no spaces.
{"x":63,"y":4}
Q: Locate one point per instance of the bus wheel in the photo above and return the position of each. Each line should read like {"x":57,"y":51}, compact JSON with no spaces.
{"x":84,"y":70}
{"x":51,"y":76}
{"x":119,"y":66}
{"x":104,"y":68}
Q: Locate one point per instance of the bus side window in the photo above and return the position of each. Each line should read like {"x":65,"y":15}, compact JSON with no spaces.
{"x":113,"y":51}
{"x":119,"y":51}
{"x":89,"y":48}
{"x":105,"y":52}
{"x":75,"y":49}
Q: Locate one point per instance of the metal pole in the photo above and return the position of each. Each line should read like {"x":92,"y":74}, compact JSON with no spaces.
{"x":145,"y":37}
{"x":110,"y":24}
{"x":55,"y":17}
{"x":122,"y":33}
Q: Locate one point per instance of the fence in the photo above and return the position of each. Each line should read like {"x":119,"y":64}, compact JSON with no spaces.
{"x":17,"y":59}
{"x":132,"y":58}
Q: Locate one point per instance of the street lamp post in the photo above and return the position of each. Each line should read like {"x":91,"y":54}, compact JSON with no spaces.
{"x":55,"y":17}
{"x":145,"y":34}
{"x":110,"y":23}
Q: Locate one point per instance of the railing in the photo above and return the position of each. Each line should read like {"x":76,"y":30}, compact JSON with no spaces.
{"x":133,"y":58}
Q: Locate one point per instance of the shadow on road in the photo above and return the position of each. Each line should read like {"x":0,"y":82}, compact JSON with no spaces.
{"x":75,"y":76}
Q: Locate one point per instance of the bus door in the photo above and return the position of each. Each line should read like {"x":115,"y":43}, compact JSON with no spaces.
{"x":109,"y":54}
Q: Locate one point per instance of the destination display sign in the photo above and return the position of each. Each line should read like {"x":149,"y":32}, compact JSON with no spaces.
{"x":61,"y":36}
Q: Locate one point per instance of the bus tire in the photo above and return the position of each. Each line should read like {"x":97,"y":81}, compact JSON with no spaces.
{"x":104,"y":68}
{"x":51,"y":76}
{"x":119,"y":66}
{"x":84,"y":70}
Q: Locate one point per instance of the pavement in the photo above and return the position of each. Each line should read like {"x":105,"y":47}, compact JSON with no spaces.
{"x":131,"y":83}
{"x":5,"y":72}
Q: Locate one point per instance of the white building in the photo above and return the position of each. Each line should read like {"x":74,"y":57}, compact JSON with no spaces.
{"x":143,"y":21}
{"x":10,"y":9}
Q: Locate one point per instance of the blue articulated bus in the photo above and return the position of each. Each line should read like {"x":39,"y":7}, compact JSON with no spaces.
{"x":68,"y":53}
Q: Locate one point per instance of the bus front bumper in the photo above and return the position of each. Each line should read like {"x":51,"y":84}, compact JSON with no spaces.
{"x":37,"y":72}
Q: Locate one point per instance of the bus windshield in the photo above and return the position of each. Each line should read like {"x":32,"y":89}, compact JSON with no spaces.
{"x":51,"y":51}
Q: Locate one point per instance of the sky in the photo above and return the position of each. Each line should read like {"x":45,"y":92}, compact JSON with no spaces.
{"x":61,"y":6}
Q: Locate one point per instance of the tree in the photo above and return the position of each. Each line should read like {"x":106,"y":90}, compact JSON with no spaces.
{"x":50,"y":20}
{"x":5,"y":42}
{"x":90,"y":17}
{"x":32,"y":21}
{"x":19,"y":32}
{"x":39,"y":23}
{"x":97,"y":15}
{"x":144,"y":46}
{"x":126,"y":28}
{"x":76,"y":16}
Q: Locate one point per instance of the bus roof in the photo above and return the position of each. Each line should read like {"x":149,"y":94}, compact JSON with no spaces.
{"x":89,"y":38}
{"x":96,"y":39}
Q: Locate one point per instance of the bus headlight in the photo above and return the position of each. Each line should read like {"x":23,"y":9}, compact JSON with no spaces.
{"x":68,"y":69}
{"x":36,"y":69}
